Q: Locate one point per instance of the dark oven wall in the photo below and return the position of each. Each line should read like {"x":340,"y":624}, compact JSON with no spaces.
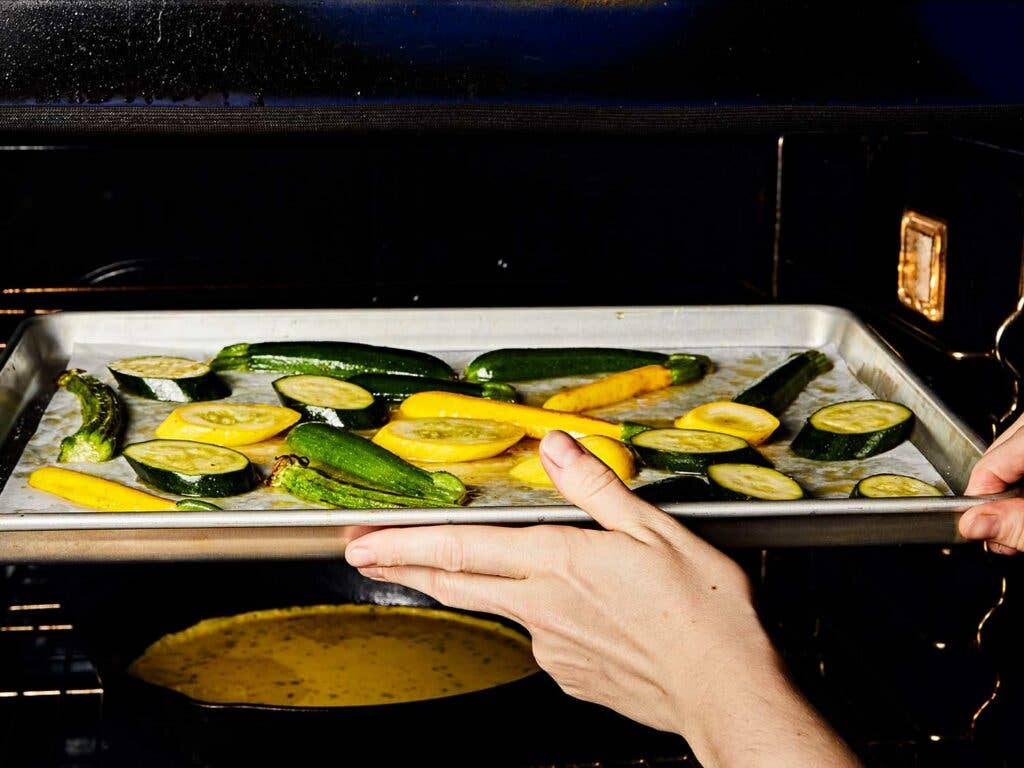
{"x":431,"y":220}
{"x":843,"y":201}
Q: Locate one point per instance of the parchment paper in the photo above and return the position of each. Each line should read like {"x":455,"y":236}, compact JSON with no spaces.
{"x":488,"y":480}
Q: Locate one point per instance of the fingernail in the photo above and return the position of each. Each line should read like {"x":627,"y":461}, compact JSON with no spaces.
{"x":560,"y":448}
{"x":359,"y":555}
{"x":373,"y":572}
{"x":983,"y":527}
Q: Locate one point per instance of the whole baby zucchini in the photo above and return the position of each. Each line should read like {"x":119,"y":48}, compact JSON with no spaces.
{"x":171,"y":379}
{"x":310,"y":485}
{"x":854,"y":429}
{"x":329,"y":358}
{"x":394,"y":387}
{"x":103,"y":419}
{"x":515,"y":364}
{"x":188,"y":468}
{"x":357,"y":459}
{"x":776,"y":391}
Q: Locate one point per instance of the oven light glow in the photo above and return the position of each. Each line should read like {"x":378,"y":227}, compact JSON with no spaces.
{"x":922,"y":269}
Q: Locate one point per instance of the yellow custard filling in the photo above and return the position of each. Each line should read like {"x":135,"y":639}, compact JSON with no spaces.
{"x":336,"y":655}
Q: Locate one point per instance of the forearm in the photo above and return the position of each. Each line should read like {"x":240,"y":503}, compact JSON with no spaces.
{"x":757,"y":719}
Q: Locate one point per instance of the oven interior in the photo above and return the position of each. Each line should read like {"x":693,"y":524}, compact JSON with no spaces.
{"x":910,"y":651}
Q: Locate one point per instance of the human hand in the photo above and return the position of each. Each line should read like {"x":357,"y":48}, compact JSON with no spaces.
{"x":643,"y":617}
{"x":1000,"y":523}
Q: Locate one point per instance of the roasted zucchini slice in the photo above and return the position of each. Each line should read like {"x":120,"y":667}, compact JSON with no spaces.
{"x":187,"y":468}
{"x":226,"y":423}
{"x":614,"y":454}
{"x":333,"y":401}
{"x":750,"y":482}
{"x":892,"y":486}
{"x":171,"y":379}
{"x":447,"y":440}
{"x":676,"y":489}
{"x":854,"y":429}
{"x":692,"y":450}
{"x":755,"y":425}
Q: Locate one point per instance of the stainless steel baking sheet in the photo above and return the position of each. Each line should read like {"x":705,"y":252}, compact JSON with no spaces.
{"x":743,"y":341}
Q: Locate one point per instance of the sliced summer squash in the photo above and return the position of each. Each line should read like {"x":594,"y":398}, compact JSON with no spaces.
{"x":613,"y":453}
{"x":226,"y":423}
{"x":171,"y":379}
{"x":692,"y":450}
{"x":777,"y":391}
{"x":750,"y":482}
{"x":188,"y":468}
{"x":536,"y":422}
{"x":624,"y":385}
{"x":755,"y":425}
{"x":517,"y":364}
{"x":855,"y":429}
{"x":447,"y":440}
{"x":331,"y":400}
{"x":330,"y":358}
{"x":356,"y":459}
{"x":103,"y":419}
{"x":103,"y":495}
{"x":892,"y":486}
{"x":394,"y":388}
{"x":310,"y":485}
{"x":675,"y":489}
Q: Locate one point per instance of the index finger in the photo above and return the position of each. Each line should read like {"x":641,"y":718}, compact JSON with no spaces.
{"x":483,"y":549}
{"x":1000,"y":467}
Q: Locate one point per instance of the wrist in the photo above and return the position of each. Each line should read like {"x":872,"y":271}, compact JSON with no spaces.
{"x":731,"y":673}
{"x":751,"y":715}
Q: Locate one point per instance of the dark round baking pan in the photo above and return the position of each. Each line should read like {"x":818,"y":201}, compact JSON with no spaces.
{"x":120,"y":609}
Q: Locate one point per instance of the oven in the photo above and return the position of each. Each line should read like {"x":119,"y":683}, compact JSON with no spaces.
{"x":193,"y":155}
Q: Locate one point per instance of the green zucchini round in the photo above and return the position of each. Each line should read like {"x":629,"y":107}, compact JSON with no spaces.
{"x":892,"y":486}
{"x":692,"y":450}
{"x":188,"y":468}
{"x":855,"y":429}
{"x":170,"y":379}
{"x":330,"y":400}
{"x":750,"y":482}
{"x":675,"y":489}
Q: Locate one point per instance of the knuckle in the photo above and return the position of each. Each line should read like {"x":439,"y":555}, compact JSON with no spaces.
{"x":450,"y":554}
{"x":595,"y":482}
{"x":441,"y":587}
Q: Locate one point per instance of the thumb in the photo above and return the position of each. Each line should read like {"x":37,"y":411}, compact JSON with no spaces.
{"x":1000,"y":467}
{"x":1001,"y":523}
{"x":587,"y":482}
